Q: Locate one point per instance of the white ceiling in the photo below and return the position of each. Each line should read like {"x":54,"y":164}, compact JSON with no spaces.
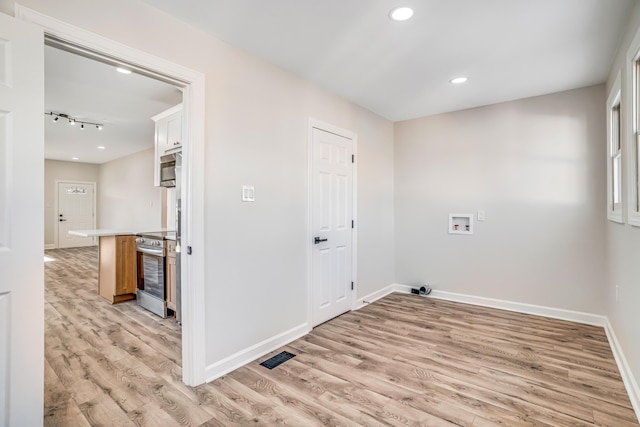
{"x":92,"y":91}
{"x":509,"y":49}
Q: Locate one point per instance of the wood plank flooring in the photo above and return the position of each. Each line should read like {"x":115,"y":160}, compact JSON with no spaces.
{"x":403,"y":360}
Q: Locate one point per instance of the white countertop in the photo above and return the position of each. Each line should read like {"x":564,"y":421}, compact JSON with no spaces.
{"x":100,"y":232}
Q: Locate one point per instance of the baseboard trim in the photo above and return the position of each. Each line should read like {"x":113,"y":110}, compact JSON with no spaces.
{"x":241,"y":358}
{"x":50,"y":246}
{"x":625,"y":371}
{"x":366,"y":300}
{"x":555,"y":313}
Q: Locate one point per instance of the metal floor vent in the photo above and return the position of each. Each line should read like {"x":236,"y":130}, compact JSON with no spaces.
{"x":277,"y":360}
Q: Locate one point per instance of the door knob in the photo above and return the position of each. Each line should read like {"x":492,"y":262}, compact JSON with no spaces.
{"x":317,"y":240}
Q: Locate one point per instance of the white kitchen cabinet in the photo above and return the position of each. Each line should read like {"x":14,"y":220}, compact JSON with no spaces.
{"x":168,"y":136}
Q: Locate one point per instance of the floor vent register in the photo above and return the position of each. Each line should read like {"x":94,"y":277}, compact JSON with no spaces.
{"x":277,"y":360}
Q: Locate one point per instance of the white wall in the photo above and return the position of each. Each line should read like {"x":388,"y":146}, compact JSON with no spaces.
{"x":127,"y":197}
{"x":60,"y":170}
{"x":256,"y":134}
{"x":536,"y":167}
{"x":623,"y":241}
{"x":258,"y":270}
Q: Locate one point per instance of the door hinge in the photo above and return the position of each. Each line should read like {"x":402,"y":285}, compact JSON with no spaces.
{"x":351,"y":285}
{"x":189,"y":250}
{"x":353,"y":158}
{"x":352,"y":226}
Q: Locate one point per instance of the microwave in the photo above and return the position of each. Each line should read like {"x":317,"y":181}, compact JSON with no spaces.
{"x":168,"y":170}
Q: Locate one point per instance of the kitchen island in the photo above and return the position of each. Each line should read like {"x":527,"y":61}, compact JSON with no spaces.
{"x":117,"y":272}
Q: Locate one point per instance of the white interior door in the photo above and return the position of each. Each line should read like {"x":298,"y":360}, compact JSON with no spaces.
{"x":76,"y":211}
{"x":21,"y":223}
{"x":332,"y":207}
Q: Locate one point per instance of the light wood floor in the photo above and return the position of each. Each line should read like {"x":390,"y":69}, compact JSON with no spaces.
{"x":403,"y":360}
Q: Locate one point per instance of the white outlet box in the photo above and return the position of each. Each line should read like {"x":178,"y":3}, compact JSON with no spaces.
{"x":461,"y":224}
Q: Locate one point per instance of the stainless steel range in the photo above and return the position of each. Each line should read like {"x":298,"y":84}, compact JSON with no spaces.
{"x":151,"y":293}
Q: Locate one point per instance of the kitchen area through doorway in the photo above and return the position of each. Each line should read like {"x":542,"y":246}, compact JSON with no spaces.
{"x":113,"y":141}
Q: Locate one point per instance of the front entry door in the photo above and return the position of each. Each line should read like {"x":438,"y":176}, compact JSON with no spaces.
{"x":21,"y":223}
{"x":76,"y":202}
{"x":332,"y":206}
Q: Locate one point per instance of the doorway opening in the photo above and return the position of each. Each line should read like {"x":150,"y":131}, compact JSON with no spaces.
{"x":101,"y":124}
{"x":191,"y":83}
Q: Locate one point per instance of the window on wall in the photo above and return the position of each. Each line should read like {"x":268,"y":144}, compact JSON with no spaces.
{"x":614,"y":150}
{"x":633,"y":149}
{"x":616,"y":157}
{"x":631,"y":134}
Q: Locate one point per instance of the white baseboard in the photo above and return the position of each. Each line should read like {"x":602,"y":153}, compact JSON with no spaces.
{"x":629,"y":380}
{"x":361,"y":302}
{"x":50,"y":246}
{"x":241,"y":358}
{"x":555,"y":313}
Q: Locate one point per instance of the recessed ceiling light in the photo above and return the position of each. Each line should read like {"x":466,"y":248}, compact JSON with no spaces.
{"x":75,"y":158}
{"x":401,"y":13}
{"x":101,"y":147}
{"x":458,"y":80}
{"x":123,"y":70}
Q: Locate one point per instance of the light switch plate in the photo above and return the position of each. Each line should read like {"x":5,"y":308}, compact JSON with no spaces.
{"x":481,"y":216}
{"x":248,"y":193}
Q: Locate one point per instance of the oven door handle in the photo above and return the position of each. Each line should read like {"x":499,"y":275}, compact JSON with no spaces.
{"x":159,"y":252}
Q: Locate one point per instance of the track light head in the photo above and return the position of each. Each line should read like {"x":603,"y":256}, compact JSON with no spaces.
{"x":55,"y":119}
{"x":99,"y":127}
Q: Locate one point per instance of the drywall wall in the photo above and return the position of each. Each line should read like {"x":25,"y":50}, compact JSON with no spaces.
{"x":256,"y":134}
{"x":535,"y":167}
{"x":623,"y":240}
{"x":55,"y":170}
{"x":127,"y":197}
{"x":260,"y":138}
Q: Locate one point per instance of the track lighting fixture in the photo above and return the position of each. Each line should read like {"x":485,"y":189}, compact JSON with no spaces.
{"x":72,"y":121}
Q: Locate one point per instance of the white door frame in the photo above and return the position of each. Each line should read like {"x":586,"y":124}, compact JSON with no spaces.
{"x":56,"y":207}
{"x":317,"y":124}
{"x":192,"y":274}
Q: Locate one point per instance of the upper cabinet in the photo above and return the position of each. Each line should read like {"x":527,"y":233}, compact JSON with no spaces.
{"x":168,"y":136}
